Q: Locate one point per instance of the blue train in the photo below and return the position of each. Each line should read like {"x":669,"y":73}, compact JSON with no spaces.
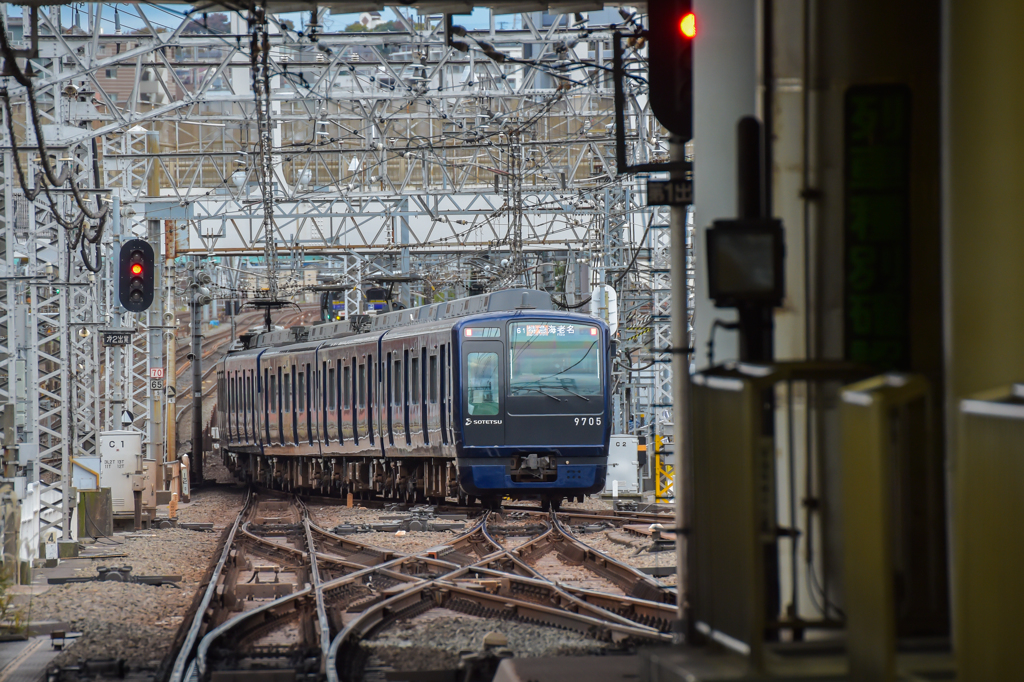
{"x":486,"y":397}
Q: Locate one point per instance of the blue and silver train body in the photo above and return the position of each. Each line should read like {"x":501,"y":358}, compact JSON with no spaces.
{"x":488,"y":397}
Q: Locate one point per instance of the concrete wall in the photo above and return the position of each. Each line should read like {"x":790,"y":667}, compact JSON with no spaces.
{"x":725,"y":90}
{"x":984,"y":222}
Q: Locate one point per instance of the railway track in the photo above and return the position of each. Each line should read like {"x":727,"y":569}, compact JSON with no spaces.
{"x":286,"y":594}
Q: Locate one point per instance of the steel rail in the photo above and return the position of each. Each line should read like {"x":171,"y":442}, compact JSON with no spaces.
{"x":269,"y":616}
{"x":321,"y":613}
{"x":181,"y":663}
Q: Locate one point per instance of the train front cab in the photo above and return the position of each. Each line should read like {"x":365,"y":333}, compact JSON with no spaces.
{"x":531,"y":417}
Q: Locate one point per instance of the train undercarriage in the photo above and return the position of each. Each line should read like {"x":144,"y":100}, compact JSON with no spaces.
{"x":427,"y":480}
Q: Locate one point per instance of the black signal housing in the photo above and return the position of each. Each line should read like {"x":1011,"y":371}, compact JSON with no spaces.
{"x":672,"y":31}
{"x":136,"y":275}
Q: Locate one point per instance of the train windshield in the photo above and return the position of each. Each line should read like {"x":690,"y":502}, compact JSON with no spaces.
{"x":554,"y":359}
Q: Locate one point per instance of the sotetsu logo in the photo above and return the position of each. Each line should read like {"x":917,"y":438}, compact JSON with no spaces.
{"x":475,"y":422}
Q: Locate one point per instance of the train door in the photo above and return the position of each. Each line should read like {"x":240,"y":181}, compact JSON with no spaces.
{"x":334,"y":400}
{"x":433,"y":415}
{"x":229,"y":404}
{"x":293,"y":405}
{"x":405,"y":396}
{"x":389,"y":398}
{"x":483,"y":392}
{"x":397,"y":403}
{"x":417,"y":407}
{"x":358,"y":388}
{"x":450,"y":386}
{"x":344,"y":400}
{"x":266,"y":403}
{"x":319,"y":398}
{"x":441,"y":390}
{"x":362,"y":423}
{"x":257,"y":406}
{"x":310,"y":383}
{"x":250,"y":432}
{"x":369,"y":397}
{"x":276,"y":397}
{"x":325,"y":394}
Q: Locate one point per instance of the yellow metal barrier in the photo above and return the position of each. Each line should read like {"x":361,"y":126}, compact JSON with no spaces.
{"x":873,"y":413}
{"x":988,"y":534}
{"x":664,"y":479}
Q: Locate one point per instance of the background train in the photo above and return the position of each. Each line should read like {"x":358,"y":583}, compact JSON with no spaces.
{"x":485,"y":397}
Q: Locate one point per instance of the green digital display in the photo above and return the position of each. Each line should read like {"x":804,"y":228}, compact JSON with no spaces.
{"x":877,"y":225}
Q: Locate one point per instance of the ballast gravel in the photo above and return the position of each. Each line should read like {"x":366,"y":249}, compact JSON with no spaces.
{"x":433,"y":641}
{"x":633,"y":556}
{"x":117,"y":620}
{"x":169,"y":552}
{"x":218,"y":505}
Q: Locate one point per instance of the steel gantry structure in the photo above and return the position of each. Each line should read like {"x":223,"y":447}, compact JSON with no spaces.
{"x":468,"y":158}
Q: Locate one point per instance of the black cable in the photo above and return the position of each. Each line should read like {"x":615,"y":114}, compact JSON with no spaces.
{"x":85,"y":257}
{"x":564,"y":305}
{"x":637,"y":252}
{"x":66,"y":173}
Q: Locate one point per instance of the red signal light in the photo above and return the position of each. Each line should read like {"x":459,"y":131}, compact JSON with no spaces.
{"x":137,"y":269}
{"x":688,"y":25}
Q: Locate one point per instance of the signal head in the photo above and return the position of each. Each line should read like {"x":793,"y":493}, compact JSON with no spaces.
{"x":136,"y":275}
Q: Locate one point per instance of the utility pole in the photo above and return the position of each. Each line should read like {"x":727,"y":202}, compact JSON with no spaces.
{"x":682,"y":450}
{"x":116,"y":353}
{"x":199,"y":296}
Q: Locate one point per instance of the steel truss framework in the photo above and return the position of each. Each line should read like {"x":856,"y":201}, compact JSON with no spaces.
{"x":389,"y":153}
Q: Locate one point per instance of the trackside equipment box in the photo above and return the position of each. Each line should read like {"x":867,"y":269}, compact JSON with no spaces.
{"x":623,"y":466}
{"x":121,"y":459}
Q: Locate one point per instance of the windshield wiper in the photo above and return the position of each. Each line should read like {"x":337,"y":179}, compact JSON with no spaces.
{"x":567,"y":390}
{"x":535,"y":390}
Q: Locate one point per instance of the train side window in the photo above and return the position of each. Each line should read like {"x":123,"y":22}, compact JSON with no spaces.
{"x":415,"y":380}
{"x":482,"y":384}
{"x":346,"y":387}
{"x":273,"y":394}
{"x":362,"y":385}
{"x":301,"y":398}
{"x":369,"y":396}
{"x":396,"y":397}
{"x":286,"y":388}
{"x":433,"y":378}
{"x":280,"y":390}
{"x":332,"y":393}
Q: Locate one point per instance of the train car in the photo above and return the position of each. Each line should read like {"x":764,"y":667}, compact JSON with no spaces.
{"x":487,"y":397}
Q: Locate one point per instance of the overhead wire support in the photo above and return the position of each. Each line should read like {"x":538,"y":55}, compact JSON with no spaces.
{"x":260,"y":61}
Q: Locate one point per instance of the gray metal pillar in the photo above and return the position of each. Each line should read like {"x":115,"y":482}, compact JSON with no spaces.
{"x":404,"y":297}
{"x":681,"y":440}
{"x":197,"y":382}
{"x":117,"y":352}
{"x":156,"y":351}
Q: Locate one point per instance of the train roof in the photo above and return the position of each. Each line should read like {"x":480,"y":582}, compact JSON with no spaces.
{"x":497,"y":301}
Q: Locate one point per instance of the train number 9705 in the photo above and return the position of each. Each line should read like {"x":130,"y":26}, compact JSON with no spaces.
{"x":587,"y":421}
